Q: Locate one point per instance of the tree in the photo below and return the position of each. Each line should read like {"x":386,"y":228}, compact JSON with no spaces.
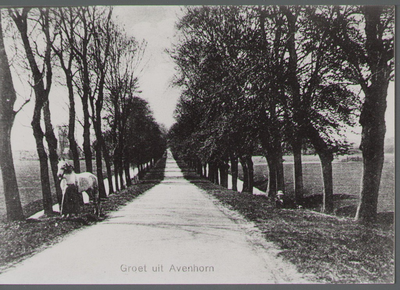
{"x":7,"y":116}
{"x":79,"y":42}
{"x":87,"y":43}
{"x":263,"y":75}
{"x":211,"y":59}
{"x":45,"y":24}
{"x":268,"y":84}
{"x":42,"y":80}
{"x":294,"y":85}
{"x":66,"y":21}
{"x":365,"y":37}
{"x":102,"y":30}
{"x":142,"y":134}
{"x":321,"y":105}
{"x":121,"y":85}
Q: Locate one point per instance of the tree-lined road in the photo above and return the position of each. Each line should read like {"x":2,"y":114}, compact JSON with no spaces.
{"x":174,"y":233}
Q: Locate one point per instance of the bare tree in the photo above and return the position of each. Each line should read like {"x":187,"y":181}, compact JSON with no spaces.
{"x":42,"y":80}
{"x":102,"y":38}
{"x":7,"y":116}
{"x":79,"y":41}
{"x":66,"y":20}
{"x":126,"y":56}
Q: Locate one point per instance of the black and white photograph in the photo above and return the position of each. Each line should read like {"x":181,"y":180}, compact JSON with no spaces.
{"x":197,"y":144}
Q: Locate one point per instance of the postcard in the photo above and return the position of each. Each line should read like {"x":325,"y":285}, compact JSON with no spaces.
{"x":189,"y":144}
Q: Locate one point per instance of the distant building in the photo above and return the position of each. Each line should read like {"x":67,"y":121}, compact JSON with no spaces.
{"x":63,"y":143}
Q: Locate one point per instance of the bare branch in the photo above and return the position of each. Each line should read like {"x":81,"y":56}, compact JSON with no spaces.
{"x":22,"y":106}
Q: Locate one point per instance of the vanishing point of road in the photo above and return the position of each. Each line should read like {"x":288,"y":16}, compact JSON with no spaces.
{"x":175,"y":233}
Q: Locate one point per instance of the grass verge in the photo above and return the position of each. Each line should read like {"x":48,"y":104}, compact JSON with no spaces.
{"x":331,"y":249}
{"x":20,"y":240}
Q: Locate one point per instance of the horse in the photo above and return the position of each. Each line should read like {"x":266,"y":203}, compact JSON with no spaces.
{"x":80,"y":182}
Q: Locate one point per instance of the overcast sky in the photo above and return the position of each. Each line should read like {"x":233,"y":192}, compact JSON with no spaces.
{"x":155,"y":24}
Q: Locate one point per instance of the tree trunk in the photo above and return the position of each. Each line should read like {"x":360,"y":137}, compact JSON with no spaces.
{"x":41,"y":94}
{"x":372,"y":145}
{"x":49,"y":134}
{"x":52,"y":147}
{"x":116,"y":169}
{"x":116,"y":174}
{"x":298,"y":171}
{"x":81,"y":51}
{"x":127,"y":174}
{"x":234,"y":171}
{"x":121,"y":162}
{"x":296,"y":102}
{"x":273,"y":154}
{"x":280,"y":175}
{"x":7,"y":115}
{"x":87,"y":150}
{"x":245,"y":174}
{"x":108,"y":168}
{"x":372,"y":118}
{"x":43,"y":161}
{"x":99,"y":171}
{"x":140,"y":171}
{"x":10,"y":186}
{"x":223,"y":169}
{"x":199,"y":168}
{"x":272,"y":180}
{"x":121,"y":173}
{"x":216,"y":176}
{"x":250,"y":171}
{"x":73,"y":146}
{"x":326,"y":164}
{"x":211,"y":174}
{"x":99,"y":146}
{"x":326,"y":156}
{"x":276,"y":148}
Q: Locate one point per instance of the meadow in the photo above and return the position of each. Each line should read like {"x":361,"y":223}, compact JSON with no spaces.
{"x":347,"y":176}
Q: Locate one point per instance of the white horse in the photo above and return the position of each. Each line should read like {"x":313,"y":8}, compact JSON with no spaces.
{"x":85,"y":181}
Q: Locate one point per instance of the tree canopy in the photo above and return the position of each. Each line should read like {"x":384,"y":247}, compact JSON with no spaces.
{"x":275,"y":77}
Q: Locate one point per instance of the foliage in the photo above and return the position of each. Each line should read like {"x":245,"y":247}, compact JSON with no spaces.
{"x":272,"y":77}
{"x":145,"y":139}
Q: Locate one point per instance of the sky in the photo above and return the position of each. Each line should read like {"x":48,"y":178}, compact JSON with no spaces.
{"x":156,"y":25}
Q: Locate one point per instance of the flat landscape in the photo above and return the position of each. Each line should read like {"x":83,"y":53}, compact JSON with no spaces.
{"x":346,"y":177}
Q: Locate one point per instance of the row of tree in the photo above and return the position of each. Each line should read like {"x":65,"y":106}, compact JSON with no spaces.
{"x":279,"y":78}
{"x":94,"y":58}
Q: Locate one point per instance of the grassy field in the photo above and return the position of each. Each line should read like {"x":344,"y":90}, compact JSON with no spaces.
{"x":346,"y":179}
{"x":325,"y":249}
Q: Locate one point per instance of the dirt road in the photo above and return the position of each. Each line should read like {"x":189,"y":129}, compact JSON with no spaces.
{"x":173,"y":234}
